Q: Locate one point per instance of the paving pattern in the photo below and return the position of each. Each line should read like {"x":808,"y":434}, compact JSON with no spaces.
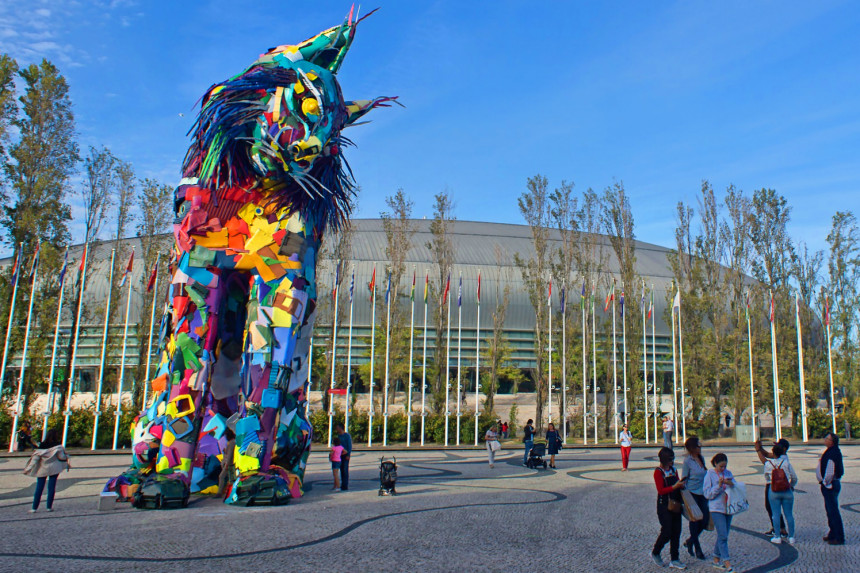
{"x":453,"y":513}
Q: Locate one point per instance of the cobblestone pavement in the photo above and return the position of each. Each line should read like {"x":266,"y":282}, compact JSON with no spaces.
{"x":453,"y":513}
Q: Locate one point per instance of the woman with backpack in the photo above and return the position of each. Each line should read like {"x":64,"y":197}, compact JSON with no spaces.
{"x":780,"y":475}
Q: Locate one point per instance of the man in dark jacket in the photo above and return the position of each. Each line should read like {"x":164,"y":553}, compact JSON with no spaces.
{"x":346,"y":442}
{"x":528,"y":439}
{"x":829,"y":474}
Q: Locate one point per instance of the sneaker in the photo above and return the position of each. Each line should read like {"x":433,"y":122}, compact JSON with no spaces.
{"x":675,"y":564}
{"x":776,"y":540}
{"x":50,"y":509}
{"x":792,"y":540}
{"x":32,"y":511}
{"x":718,"y":565}
{"x":492,"y":466}
{"x":769,"y":532}
{"x":657,"y":559}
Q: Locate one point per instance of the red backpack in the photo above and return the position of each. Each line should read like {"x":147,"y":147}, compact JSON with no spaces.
{"x":778,"y":479}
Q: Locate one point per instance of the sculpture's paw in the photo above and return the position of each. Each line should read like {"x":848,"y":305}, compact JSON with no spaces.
{"x":161,"y":492}
{"x":274,"y":487}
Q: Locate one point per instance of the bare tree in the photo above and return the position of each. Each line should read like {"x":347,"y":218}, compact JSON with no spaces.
{"x":97,"y":191}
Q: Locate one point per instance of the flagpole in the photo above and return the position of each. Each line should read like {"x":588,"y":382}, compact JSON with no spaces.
{"x":584,"y":370}
{"x":411,"y":345}
{"x":777,"y":421}
{"x":549,"y":354}
{"x":830,"y":363}
{"x":372,"y":354}
{"x":563,"y":365}
{"x":459,"y":351}
{"x":594,"y":363}
{"x":310,"y":368}
{"x":68,"y":410}
{"x":681,"y":363}
{"x":674,"y":372}
{"x":478,"y":362}
{"x":424,"y":360}
{"x":752,"y":390}
{"x":624,"y":349}
{"x":657,"y":407}
{"x":800,"y":368}
{"x":335,"y":293}
{"x":122,"y":358}
{"x":151,"y":328}
{"x":349,"y":351}
{"x":645,"y":362}
{"x":17,"y":273}
{"x":104,"y":350}
{"x":49,"y":404}
{"x":448,"y":370}
{"x":387,"y":356}
{"x":33,"y":274}
{"x":614,"y":365}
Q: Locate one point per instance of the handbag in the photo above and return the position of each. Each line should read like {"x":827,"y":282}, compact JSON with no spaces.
{"x":736,"y":499}
{"x":495,"y":445}
{"x":692,"y":511}
{"x":675,"y":506}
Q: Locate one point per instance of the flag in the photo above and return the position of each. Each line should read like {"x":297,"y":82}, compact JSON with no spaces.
{"x":651,"y":304}
{"x":351,"y":285}
{"x":826,"y":310}
{"x":771,"y":310}
{"x":371,"y":286}
{"x":479,"y":287}
{"x":336,"y":282}
{"x":152,"y":276}
{"x":84,"y":258}
{"x":549,"y":295}
{"x":582,"y":297}
{"x":447,"y":288}
{"x":388,"y":288}
{"x":35,"y":261}
{"x":412,"y":294}
{"x":128,"y":268}
{"x":65,"y":266}
{"x":609,"y":297}
{"x":15,"y":268}
{"x":562,"y":299}
{"x":676,"y":303}
{"x":622,"y":304}
{"x":460,"y":292}
{"x":426,"y":286}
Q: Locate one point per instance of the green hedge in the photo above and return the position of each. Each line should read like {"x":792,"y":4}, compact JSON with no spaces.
{"x":80,"y":427}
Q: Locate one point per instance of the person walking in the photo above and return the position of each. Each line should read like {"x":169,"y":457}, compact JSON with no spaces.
{"x":528,"y":439}
{"x":626,"y":445}
{"x":717,"y":481}
{"x":668,"y":489}
{"x":336,"y":456}
{"x":668,"y":430}
{"x":505,"y":430}
{"x":45,"y":465}
{"x":553,"y":443}
{"x":764,"y":456}
{"x":25,"y":437}
{"x":493,"y":445}
{"x":829,"y":474}
{"x":694,"y":472}
{"x":780,"y":476}
{"x":346,"y":442}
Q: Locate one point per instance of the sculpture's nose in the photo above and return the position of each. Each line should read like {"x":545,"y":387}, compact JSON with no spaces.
{"x":305,"y":150}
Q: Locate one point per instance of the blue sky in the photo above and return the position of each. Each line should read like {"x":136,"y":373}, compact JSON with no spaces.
{"x":659,"y":95}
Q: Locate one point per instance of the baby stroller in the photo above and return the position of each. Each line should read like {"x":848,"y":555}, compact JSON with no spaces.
{"x":387,"y":476}
{"x":536,"y":455}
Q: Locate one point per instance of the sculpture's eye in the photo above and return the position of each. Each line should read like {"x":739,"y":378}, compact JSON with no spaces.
{"x":310,"y":106}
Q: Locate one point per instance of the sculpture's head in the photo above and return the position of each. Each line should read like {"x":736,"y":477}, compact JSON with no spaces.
{"x":276,"y":127}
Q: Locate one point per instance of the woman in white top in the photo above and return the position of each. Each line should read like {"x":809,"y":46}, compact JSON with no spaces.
{"x":492,"y":439}
{"x":626,"y":445}
{"x":716,"y":481}
{"x":780,"y":475}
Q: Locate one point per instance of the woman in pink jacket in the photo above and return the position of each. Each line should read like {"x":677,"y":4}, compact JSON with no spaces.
{"x":45,"y":465}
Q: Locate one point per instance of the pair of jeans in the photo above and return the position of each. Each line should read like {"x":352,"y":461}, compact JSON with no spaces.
{"x":770,"y":510}
{"x":670,"y":531}
{"x":667,"y":440}
{"x":696,"y":527}
{"x":344,"y":472}
{"x":625,"y":456}
{"x":722,"y":523}
{"x":528,"y":444}
{"x":831,"y":506}
{"x":40,"y":487}
{"x":491,"y":454}
{"x":782,"y":503}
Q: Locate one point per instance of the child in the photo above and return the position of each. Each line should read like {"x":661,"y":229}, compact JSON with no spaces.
{"x":335,"y":457}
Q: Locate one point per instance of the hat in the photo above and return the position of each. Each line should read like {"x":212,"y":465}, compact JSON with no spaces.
{"x":783,"y":443}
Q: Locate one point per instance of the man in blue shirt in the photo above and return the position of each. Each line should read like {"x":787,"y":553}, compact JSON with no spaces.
{"x":528,"y":439}
{"x":346,"y":442}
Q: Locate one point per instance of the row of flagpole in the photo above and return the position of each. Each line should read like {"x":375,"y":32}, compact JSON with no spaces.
{"x":49,"y":406}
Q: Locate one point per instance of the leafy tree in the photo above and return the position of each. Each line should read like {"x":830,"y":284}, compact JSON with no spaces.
{"x":843,"y":265}
{"x":441,"y":249}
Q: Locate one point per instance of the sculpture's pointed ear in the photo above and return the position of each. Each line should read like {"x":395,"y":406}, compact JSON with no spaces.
{"x":356,"y":109}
